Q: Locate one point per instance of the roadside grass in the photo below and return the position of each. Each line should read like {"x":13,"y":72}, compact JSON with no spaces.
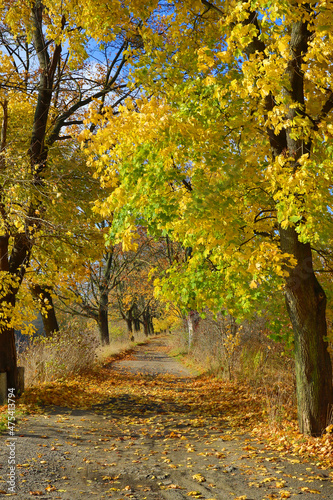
{"x":20,"y":411}
{"x":3,"y":419}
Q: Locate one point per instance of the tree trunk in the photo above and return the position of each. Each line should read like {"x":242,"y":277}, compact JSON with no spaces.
{"x":137,"y":324}
{"x":190,"y":330}
{"x":103,"y":319}
{"x":130,"y":328}
{"x":306,"y":304}
{"x":151,"y":326}
{"x":8,"y":360}
{"x":145,"y":326}
{"x":43,"y":296}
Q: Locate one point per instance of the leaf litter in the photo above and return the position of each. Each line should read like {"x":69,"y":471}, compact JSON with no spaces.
{"x":161,"y":436}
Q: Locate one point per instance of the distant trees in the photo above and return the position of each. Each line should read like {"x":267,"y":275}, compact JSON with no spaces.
{"x":119,"y":280}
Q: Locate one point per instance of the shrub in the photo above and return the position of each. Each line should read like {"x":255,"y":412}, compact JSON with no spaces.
{"x":66,"y":352}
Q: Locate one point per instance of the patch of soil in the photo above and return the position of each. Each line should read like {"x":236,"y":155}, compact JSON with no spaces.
{"x":150,"y":450}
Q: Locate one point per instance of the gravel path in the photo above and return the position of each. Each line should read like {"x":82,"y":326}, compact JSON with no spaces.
{"x":152,"y":453}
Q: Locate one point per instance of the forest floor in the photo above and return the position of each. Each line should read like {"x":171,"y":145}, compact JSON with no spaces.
{"x":145,"y":427}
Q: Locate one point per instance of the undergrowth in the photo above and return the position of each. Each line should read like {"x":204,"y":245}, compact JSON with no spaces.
{"x":66,"y":352}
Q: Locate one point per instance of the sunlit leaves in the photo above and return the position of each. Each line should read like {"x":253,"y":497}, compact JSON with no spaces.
{"x":195,"y":161}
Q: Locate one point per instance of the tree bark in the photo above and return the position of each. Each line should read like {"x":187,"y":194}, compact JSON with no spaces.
{"x":306,"y":305}
{"x":8,"y":360}
{"x":43,"y":296}
{"x":190,"y":330}
{"x":103,"y":319}
{"x":148,"y":326}
{"x":129,"y":322}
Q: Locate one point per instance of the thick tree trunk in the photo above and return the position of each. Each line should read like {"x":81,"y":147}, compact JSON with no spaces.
{"x":103,"y":319}
{"x":151,"y":326}
{"x":306,"y":304}
{"x":50,"y":321}
{"x":148,"y":325}
{"x":43,"y":296}
{"x":130,"y":328}
{"x":8,"y":360}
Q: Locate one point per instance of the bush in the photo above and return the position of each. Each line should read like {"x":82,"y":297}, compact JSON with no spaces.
{"x":68,"y":351}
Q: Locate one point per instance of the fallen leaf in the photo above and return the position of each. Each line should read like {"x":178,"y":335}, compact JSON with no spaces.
{"x":199,"y":477}
{"x":284,"y":494}
{"x":50,"y":488}
{"x":280,"y":484}
{"x":307,"y":490}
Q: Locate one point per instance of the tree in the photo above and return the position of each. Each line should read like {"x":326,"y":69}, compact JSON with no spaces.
{"x":109,"y":277}
{"x":47,"y":82}
{"x":135,"y":301}
{"x":44,"y":300}
{"x":133,"y":297}
{"x":91,"y":291}
{"x":228,"y":152}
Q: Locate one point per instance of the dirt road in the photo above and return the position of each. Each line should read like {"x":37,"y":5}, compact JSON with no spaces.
{"x":147,"y":448}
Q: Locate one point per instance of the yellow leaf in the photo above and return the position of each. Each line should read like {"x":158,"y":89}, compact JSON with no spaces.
{"x":284,"y":494}
{"x":199,"y":477}
{"x":280,"y":484}
{"x":307,"y":490}
{"x":50,"y":488}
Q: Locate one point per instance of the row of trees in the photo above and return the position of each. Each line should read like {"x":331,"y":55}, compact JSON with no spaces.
{"x":208,"y":123}
{"x":120,"y":284}
{"x":228,"y":151}
{"x":50,"y":72}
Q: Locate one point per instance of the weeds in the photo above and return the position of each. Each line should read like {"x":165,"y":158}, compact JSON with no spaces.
{"x":67,"y":352}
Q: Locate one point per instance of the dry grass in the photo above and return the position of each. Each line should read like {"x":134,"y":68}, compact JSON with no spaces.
{"x":68,"y":352}
{"x":250,"y":358}
{"x":75,"y":349}
{"x":112,"y":350}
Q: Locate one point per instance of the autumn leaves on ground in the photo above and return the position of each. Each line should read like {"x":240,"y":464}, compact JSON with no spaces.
{"x":145,"y":427}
